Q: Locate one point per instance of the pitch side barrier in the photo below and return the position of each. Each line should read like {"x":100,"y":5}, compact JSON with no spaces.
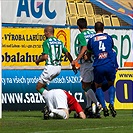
{"x":21,"y":45}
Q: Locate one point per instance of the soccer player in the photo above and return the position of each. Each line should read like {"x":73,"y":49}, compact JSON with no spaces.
{"x":60,"y":103}
{"x":105,"y":82}
{"x":52,"y":51}
{"x":86,"y":68}
{"x":104,"y":66}
{"x":105,"y":86}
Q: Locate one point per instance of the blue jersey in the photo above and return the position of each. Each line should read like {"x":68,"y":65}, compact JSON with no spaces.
{"x":101,"y":45}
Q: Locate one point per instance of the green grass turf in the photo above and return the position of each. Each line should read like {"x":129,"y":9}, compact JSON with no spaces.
{"x":32,"y":122}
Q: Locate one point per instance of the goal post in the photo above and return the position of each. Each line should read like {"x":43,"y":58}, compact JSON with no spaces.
{"x":0,"y":67}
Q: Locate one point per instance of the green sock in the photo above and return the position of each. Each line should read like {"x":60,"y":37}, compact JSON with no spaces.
{"x":41,"y":90}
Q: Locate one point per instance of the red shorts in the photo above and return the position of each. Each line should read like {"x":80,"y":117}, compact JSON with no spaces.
{"x":73,"y":104}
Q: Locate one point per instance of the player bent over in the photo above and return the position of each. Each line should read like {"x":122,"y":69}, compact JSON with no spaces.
{"x":60,"y":103}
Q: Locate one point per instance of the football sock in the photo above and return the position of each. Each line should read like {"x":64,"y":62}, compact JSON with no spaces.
{"x":111,"y":92}
{"x":41,"y":90}
{"x":60,"y":113}
{"x":100,"y":96}
{"x":88,"y":101}
{"x":92,"y":96}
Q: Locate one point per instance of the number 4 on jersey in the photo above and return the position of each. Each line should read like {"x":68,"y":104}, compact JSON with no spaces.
{"x":101,"y":46}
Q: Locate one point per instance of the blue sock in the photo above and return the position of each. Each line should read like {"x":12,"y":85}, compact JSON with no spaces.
{"x":100,"y":96}
{"x":111,"y":92}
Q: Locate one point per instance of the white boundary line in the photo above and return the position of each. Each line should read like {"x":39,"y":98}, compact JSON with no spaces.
{"x":85,"y":129}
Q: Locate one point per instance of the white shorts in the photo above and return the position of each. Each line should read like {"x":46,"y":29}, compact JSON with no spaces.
{"x":86,"y":72}
{"x":49,"y":73}
{"x":56,"y":99}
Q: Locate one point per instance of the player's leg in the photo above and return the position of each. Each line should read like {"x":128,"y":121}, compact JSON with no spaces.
{"x":54,"y":111}
{"x":91,"y":98}
{"x":48,"y":103}
{"x":88,"y":110}
{"x":60,"y":103}
{"x":89,"y":94}
{"x":87,"y":76}
{"x":112,"y":89}
{"x":98,"y":79}
{"x":45,"y":112}
{"x":47,"y":75}
{"x":42,"y":82}
{"x":88,"y":101}
{"x":59,"y":113}
{"x":111,"y":92}
{"x":105,"y":86}
{"x":100,"y":95}
{"x":40,"y":87}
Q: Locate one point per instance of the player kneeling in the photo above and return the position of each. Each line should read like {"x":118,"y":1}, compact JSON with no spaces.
{"x":59,"y":103}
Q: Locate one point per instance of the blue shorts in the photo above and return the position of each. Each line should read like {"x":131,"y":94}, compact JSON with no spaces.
{"x":106,"y":71}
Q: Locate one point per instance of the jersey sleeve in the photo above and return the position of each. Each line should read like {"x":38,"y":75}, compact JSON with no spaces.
{"x":45,"y":48}
{"x":82,"y":40}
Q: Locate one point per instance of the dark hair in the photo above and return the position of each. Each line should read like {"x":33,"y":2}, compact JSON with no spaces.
{"x":82,"y":23}
{"x":99,"y":26}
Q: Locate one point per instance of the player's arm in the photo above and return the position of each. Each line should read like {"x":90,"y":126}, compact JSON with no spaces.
{"x":89,"y":50}
{"x":82,"y":41}
{"x":69,"y":57}
{"x":67,"y":54}
{"x":82,"y":52}
{"x":44,"y":56}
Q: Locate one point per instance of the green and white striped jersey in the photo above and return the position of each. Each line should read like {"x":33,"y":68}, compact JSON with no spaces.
{"x":54,"y":48}
{"x":82,"y":40}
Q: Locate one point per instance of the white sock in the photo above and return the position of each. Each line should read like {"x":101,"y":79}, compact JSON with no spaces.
{"x":60,"y":113}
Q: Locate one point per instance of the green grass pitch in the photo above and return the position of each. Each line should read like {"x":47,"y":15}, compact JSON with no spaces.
{"x":32,"y":122}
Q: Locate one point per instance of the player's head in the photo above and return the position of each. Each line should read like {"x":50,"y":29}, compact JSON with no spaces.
{"x":82,"y":23}
{"x":49,"y":31}
{"x":99,"y":27}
